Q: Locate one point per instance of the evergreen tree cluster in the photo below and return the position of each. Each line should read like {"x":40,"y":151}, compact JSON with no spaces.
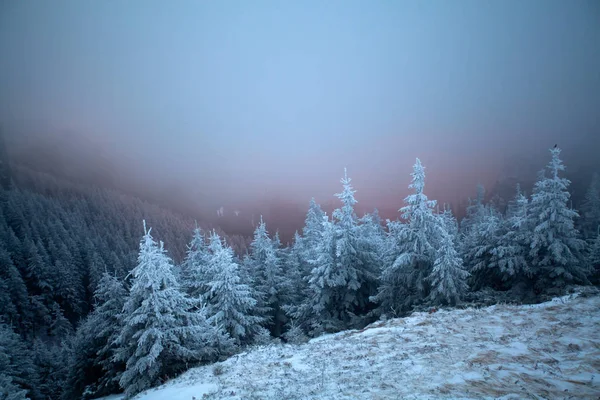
{"x":89,"y":309}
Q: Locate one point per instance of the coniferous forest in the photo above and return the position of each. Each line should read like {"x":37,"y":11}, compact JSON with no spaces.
{"x":102,"y":292}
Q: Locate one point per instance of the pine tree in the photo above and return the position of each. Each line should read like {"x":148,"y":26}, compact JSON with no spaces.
{"x":475,"y":211}
{"x":324,"y":310}
{"x":51,"y":361}
{"x":312,"y":231}
{"x":556,"y":249}
{"x":92,"y":371}
{"x":297,"y":271}
{"x":110,"y":297}
{"x":448,"y":279}
{"x":414,"y":243}
{"x":509,"y":255}
{"x":340,"y":283}
{"x":230,"y":301}
{"x":356,"y":257}
{"x":478,"y":246}
{"x":449,"y":223}
{"x":163,"y":330}
{"x":194,"y":270}
{"x":17,"y":371}
{"x":270,"y":286}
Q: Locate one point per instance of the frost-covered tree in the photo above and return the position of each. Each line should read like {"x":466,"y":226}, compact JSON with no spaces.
{"x":477,"y":246}
{"x":270,"y":284}
{"x":313,"y":229}
{"x":230,"y":302}
{"x":302,"y":256}
{"x":163,"y":330}
{"x":413,"y":250}
{"x":355,"y":257}
{"x":110,"y":299}
{"x":449,"y":222}
{"x":448,"y":279}
{"x":18,"y":375}
{"x":92,"y":370}
{"x":556,"y":249}
{"x":194,"y":270}
{"x":372,"y":234}
{"x":325,"y":308}
{"x":343,"y":277}
{"x":590,"y":208}
{"x":508,"y":260}
{"x":475,"y":212}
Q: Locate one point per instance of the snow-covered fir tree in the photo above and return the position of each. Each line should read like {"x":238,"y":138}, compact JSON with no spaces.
{"x":413,"y":250}
{"x":448,"y":278}
{"x":297,"y":272}
{"x":556,"y":249}
{"x":341,"y":280}
{"x":194,"y":269}
{"x":508,"y":260}
{"x":163,"y":330}
{"x":230,"y":302}
{"x":270,"y":284}
{"x":590,"y":209}
{"x":355,"y":254}
{"x":449,"y":222}
{"x":312,"y":232}
{"x":475,"y":212}
{"x":313,"y":224}
{"x":477,"y":245}
{"x":18,"y":375}
{"x":93,"y":371}
{"x":324,"y":308}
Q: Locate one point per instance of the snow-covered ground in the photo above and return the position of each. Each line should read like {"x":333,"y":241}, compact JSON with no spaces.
{"x":545,"y":351}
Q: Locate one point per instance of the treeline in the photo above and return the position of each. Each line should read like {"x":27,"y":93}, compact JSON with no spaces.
{"x":150,"y":314}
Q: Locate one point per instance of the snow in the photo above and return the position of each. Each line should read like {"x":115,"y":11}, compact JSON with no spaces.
{"x":551,"y":350}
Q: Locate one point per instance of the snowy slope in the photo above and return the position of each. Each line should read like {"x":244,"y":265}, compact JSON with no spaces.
{"x":549,"y":350}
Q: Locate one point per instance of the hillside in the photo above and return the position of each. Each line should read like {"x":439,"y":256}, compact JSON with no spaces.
{"x":550,"y":350}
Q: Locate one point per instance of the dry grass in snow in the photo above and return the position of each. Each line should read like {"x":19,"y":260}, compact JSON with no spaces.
{"x":545,"y":351}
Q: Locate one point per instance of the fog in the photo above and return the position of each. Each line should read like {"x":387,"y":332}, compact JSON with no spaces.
{"x":259,"y":106}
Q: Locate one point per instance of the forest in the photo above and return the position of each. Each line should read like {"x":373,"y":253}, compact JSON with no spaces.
{"x":102,"y":292}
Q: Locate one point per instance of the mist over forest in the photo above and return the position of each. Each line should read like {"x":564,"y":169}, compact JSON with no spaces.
{"x":186,"y":185}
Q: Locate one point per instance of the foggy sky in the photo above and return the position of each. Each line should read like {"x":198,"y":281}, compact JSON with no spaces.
{"x":250,"y":101}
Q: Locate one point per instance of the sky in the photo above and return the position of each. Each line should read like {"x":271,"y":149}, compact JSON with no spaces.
{"x":250,"y":101}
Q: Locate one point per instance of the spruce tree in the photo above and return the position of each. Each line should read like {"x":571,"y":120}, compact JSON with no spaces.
{"x":556,"y":249}
{"x":270,"y":286}
{"x":163,"y":330}
{"x":230,"y":302}
{"x":413,"y":250}
{"x":18,"y":374}
{"x":509,"y":255}
{"x":194,"y":270}
{"x":342,"y":279}
{"x":448,"y":278}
